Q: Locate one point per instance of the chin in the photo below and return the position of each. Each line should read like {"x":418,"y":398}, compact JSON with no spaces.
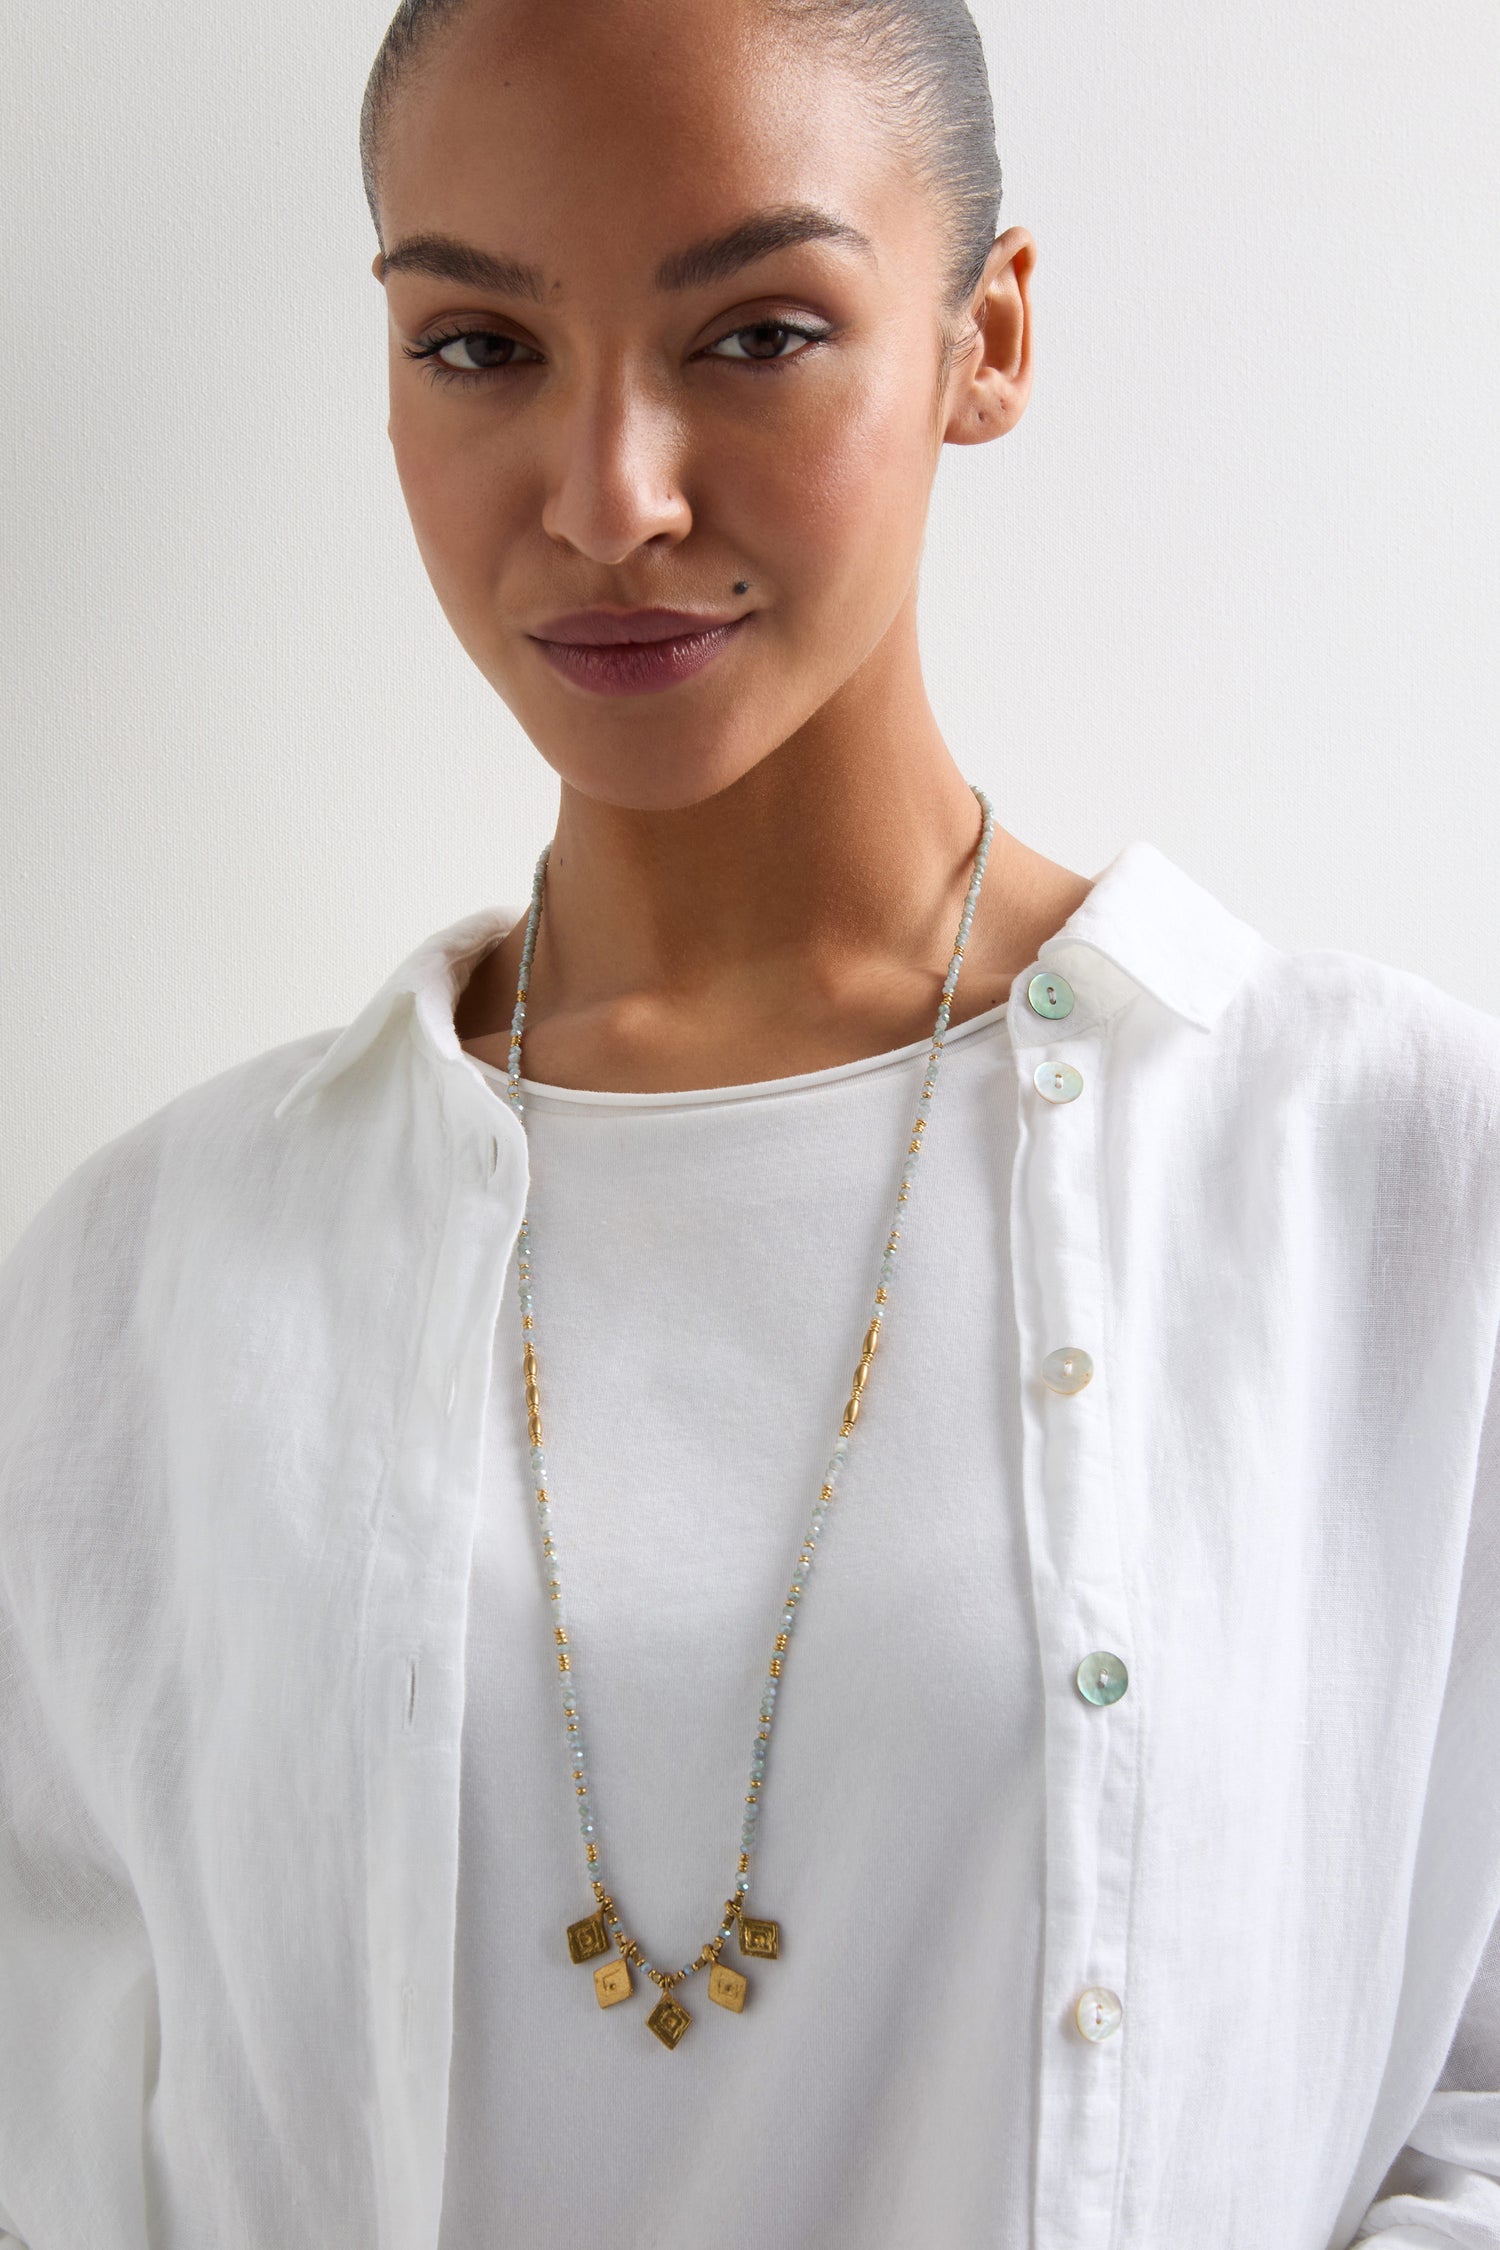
{"x":643,"y":777}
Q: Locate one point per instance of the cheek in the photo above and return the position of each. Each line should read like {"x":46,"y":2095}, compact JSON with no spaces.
{"x":842,"y":490}
{"x":458,"y":509}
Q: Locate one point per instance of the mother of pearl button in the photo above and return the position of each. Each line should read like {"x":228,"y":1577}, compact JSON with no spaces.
{"x":1049,"y":995}
{"x":1098,"y":2012}
{"x":1067,"y":1369}
{"x":1102,"y":1677}
{"x":1057,"y":1082}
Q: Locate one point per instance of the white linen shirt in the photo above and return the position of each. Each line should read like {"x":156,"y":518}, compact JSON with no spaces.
{"x":245,"y":1351}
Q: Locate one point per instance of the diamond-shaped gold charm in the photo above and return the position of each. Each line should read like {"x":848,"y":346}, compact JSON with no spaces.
{"x":759,"y":1938}
{"x":589,"y":1938}
{"x":668,"y":2019}
{"x":727,"y":1986}
{"x":612,"y":1982}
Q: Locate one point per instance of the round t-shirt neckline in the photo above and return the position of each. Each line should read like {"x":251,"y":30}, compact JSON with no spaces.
{"x":753,"y":1089}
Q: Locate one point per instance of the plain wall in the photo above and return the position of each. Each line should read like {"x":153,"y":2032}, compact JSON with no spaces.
{"x":1231,"y":584}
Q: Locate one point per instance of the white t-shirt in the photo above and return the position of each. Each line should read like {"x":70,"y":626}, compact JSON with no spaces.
{"x":703,"y":1269}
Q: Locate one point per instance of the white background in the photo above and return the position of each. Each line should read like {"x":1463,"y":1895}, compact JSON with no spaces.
{"x":1231,"y":584}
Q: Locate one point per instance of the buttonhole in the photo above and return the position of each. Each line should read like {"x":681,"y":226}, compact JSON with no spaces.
{"x":411,"y":1689}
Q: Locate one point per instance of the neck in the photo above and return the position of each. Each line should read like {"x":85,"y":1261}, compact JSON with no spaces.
{"x":802,"y":916}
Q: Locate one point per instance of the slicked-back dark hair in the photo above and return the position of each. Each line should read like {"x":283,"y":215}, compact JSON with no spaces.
{"x":921,"y":61}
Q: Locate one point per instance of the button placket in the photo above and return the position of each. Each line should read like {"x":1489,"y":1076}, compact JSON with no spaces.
{"x":419,"y":1566}
{"x":1091,"y":1740}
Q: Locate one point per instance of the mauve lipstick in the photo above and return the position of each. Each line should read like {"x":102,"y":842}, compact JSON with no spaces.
{"x":634,"y":651}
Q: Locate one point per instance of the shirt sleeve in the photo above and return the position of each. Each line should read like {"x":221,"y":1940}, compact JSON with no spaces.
{"x":1442,"y":2191}
{"x":77,"y":1990}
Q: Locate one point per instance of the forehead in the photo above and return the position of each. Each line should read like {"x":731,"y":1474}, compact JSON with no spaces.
{"x":601,"y":130}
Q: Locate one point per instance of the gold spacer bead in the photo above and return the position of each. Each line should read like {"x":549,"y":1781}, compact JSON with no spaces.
{"x":744,"y":1863}
{"x":562,"y":1661}
{"x":781,"y":1638}
{"x":776,"y":1667}
{"x":559,"y":1636}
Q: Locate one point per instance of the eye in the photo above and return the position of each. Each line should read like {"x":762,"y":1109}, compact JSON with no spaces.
{"x":485,"y":352}
{"x":765,"y":338}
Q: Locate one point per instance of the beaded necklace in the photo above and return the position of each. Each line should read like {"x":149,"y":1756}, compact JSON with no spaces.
{"x":759,"y":1939}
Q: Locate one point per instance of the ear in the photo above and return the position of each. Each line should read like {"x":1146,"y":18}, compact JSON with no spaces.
{"x":377,"y":265}
{"x":991,"y":379}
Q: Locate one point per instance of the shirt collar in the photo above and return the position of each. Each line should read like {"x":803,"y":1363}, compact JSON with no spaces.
{"x":1154,"y":928}
{"x":1157,"y":931}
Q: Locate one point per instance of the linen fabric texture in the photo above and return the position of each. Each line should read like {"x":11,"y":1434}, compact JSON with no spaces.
{"x":246,"y":1358}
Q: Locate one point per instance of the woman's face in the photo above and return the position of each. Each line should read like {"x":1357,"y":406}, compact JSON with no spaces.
{"x":625,"y":426}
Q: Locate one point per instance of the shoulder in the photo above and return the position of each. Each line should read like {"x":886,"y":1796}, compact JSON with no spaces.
{"x":81,"y":1251}
{"x":1358,"y":1027}
{"x":1381,"y":1084}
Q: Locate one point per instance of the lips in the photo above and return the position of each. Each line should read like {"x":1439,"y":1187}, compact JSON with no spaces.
{"x":639,"y":652}
{"x":605,"y":628}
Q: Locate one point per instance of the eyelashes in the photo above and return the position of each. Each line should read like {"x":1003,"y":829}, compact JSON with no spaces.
{"x":439,"y":370}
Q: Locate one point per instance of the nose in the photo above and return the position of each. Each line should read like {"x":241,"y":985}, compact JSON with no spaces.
{"x":613,"y":468}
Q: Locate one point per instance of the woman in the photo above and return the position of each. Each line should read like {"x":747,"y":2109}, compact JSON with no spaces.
{"x":417,"y":1441}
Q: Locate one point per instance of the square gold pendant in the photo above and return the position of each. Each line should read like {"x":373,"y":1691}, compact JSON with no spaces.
{"x":727,"y":1986}
{"x":589,"y":1938}
{"x":669,"y":2020}
{"x":759,"y":1938}
{"x":612,"y":1982}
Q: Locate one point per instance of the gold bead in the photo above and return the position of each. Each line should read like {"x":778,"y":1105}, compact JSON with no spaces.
{"x":562,"y":1661}
{"x":776,"y":1667}
{"x":781,"y":1638}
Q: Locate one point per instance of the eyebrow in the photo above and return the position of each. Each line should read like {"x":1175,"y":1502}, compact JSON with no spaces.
{"x":713,"y":259}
